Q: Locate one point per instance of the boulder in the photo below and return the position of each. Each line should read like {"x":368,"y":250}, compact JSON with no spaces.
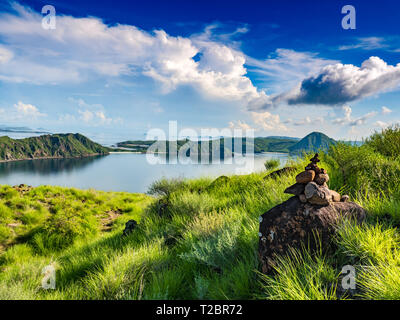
{"x":129,"y":227}
{"x":321,"y":178}
{"x":305,"y":176}
{"x":296,"y":189}
{"x":280,"y":172}
{"x":294,"y":224}
{"x":316,"y":194}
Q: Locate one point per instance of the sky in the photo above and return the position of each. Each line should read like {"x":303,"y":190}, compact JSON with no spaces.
{"x":114,"y":70}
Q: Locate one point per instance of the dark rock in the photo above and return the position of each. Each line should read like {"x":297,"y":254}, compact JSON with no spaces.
{"x":296,"y":189}
{"x":293,"y":224}
{"x":305,"y":176}
{"x":129,"y":227}
{"x":318,"y":195}
{"x":280,"y":172}
{"x":321,"y":178}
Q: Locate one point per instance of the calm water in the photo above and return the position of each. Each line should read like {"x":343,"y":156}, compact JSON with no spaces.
{"x":115,"y":172}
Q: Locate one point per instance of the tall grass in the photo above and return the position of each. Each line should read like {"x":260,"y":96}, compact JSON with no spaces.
{"x":198,"y":239}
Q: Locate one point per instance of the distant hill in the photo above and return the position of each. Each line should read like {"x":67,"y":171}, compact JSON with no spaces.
{"x":274,"y":144}
{"x":312,"y":142}
{"x":22,"y":130}
{"x":67,"y":145}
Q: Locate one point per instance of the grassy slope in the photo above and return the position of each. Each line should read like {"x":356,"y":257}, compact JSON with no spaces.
{"x":49,"y":146}
{"x":204,"y":244}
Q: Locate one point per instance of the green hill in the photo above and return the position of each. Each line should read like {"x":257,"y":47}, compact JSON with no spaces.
{"x":313,"y":142}
{"x":67,"y":145}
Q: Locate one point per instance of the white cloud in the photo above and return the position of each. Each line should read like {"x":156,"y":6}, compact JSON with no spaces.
{"x":287,"y":67}
{"x":27,"y":110}
{"x":5,"y":55}
{"x":21,"y":112}
{"x":341,"y":83}
{"x":348,"y":120}
{"x":90,"y":114}
{"x":367,"y":43}
{"x":381,"y":124}
{"x":347,"y":116}
{"x":268,"y":121}
{"x":80,"y":49}
{"x":239,"y":125}
{"x":386,"y":110}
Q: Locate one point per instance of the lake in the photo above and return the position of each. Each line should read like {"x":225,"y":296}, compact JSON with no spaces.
{"x":115,"y":172}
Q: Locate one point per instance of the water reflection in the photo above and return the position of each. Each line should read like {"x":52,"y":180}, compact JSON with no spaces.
{"x":46,"y":166}
{"x":115,"y":172}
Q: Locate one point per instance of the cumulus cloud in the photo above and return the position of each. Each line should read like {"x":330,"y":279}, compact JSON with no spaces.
{"x":90,"y":114}
{"x":21,"y":112}
{"x":287,"y":67}
{"x":80,"y":49}
{"x":25,"y":110}
{"x":348,"y":120}
{"x":239,"y":124}
{"x":340,"y":83}
{"x":268,"y":121}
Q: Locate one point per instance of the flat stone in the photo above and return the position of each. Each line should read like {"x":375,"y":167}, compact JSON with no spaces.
{"x":305,"y":176}
{"x":296,"y":189}
{"x":316,"y":194}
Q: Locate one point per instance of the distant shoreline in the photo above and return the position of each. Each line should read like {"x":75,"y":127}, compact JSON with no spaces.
{"x":45,"y":158}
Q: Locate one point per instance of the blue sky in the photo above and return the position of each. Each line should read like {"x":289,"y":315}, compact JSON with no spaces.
{"x":114,"y":70}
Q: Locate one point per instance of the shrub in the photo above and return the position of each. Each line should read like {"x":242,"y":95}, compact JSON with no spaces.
{"x":272,"y":164}
{"x":164,"y":187}
{"x":386,"y":142}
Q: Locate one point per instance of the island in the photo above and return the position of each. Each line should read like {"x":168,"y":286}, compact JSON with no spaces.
{"x":49,"y":146}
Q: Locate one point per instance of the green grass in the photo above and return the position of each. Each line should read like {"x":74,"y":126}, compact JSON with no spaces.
{"x":198,"y":239}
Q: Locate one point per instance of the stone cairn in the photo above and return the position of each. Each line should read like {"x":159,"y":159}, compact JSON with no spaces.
{"x":309,"y":218}
{"x":311,"y":186}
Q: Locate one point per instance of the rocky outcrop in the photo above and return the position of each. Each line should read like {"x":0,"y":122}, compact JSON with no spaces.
{"x":308,"y":219}
{"x":279,"y":172}
{"x":296,"y":224}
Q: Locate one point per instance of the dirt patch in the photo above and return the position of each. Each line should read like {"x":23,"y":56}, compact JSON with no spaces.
{"x":107,"y":221}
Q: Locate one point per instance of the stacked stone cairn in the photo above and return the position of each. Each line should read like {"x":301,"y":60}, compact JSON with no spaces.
{"x":311,"y":186}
